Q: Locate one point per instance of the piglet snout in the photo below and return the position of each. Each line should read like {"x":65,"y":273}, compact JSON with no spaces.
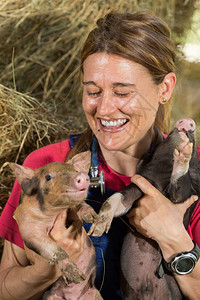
{"x":81,"y":181}
{"x":185,"y":124}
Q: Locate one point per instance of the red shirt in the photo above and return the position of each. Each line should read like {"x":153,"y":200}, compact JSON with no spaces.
{"x":58,"y":152}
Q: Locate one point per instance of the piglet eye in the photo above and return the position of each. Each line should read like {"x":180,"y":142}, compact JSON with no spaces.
{"x":48,"y":177}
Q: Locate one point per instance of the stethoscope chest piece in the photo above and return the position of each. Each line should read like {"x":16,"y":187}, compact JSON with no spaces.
{"x":95,"y":180}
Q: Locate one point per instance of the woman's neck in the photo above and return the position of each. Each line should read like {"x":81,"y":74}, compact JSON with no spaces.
{"x":125,"y":161}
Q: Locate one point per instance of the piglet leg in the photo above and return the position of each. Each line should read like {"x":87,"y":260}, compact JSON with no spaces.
{"x":86,"y":213}
{"x":46,"y":247}
{"x":116,"y":205}
{"x":70,"y":272}
{"x":49,"y":250}
{"x":179,"y":177}
{"x":110,"y":208}
{"x":182,"y":156}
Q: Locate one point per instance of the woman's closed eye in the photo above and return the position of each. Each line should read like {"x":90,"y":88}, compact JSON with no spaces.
{"x":116,"y":93}
{"x":94,"y":94}
{"x":124,"y":94}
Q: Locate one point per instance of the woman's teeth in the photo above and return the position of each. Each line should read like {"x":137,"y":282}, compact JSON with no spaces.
{"x":113,"y":123}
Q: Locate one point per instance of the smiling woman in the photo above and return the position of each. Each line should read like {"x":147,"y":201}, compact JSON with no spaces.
{"x":122,"y":113}
{"x":127,"y":65}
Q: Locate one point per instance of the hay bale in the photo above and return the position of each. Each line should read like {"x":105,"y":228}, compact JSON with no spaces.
{"x":25,"y":125}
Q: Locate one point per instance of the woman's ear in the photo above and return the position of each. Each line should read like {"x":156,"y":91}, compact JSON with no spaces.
{"x":167,"y":87}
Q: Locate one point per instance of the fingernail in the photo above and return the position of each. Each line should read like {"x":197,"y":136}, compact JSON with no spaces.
{"x":196,"y":197}
{"x":136,"y":177}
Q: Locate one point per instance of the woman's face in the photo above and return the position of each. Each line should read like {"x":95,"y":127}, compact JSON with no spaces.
{"x":120,"y":100}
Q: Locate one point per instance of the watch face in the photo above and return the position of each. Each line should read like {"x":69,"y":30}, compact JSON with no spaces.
{"x":184,"y":265}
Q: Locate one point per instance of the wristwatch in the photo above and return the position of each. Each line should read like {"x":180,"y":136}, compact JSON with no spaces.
{"x":184,"y":262}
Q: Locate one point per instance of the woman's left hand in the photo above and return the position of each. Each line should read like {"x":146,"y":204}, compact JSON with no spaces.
{"x":157,"y":217}
{"x":71,"y":239}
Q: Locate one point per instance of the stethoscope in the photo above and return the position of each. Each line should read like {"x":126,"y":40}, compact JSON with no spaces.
{"x":96,"y":180}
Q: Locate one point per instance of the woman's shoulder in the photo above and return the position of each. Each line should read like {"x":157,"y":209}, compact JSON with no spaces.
{"x":49,"y":153}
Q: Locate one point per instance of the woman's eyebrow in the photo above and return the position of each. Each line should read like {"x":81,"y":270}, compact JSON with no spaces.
{"x":121,"y":84}
{"x":89,"y":82}
{"x":115,"y":84}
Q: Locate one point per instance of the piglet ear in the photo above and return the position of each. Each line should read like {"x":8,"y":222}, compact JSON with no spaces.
{"x":81,"y":161}
{"x":26,"y":178}
{"x":21,"y":172}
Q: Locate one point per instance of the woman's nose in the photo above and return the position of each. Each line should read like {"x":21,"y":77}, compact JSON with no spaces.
{"x":106,"y":104}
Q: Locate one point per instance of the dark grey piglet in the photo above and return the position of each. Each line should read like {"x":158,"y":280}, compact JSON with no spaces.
{"x":46,"y":192}
{"x":174,"y":170}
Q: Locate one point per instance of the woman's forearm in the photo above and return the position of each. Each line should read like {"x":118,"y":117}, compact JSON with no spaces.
{"x":189,"y":283}
{"x":19,"y":279}
{"x":23,"y":283}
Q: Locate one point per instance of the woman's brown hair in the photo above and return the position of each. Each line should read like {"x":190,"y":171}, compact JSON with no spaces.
{"x":142,"y":38}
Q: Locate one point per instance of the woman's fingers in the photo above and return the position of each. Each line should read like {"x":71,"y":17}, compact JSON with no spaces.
{"x":59,"y":225}
{"x":144,"y":185}
{"x":185,"y":205}
{"x":72,"y":238}
{"x":150,"y":190}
